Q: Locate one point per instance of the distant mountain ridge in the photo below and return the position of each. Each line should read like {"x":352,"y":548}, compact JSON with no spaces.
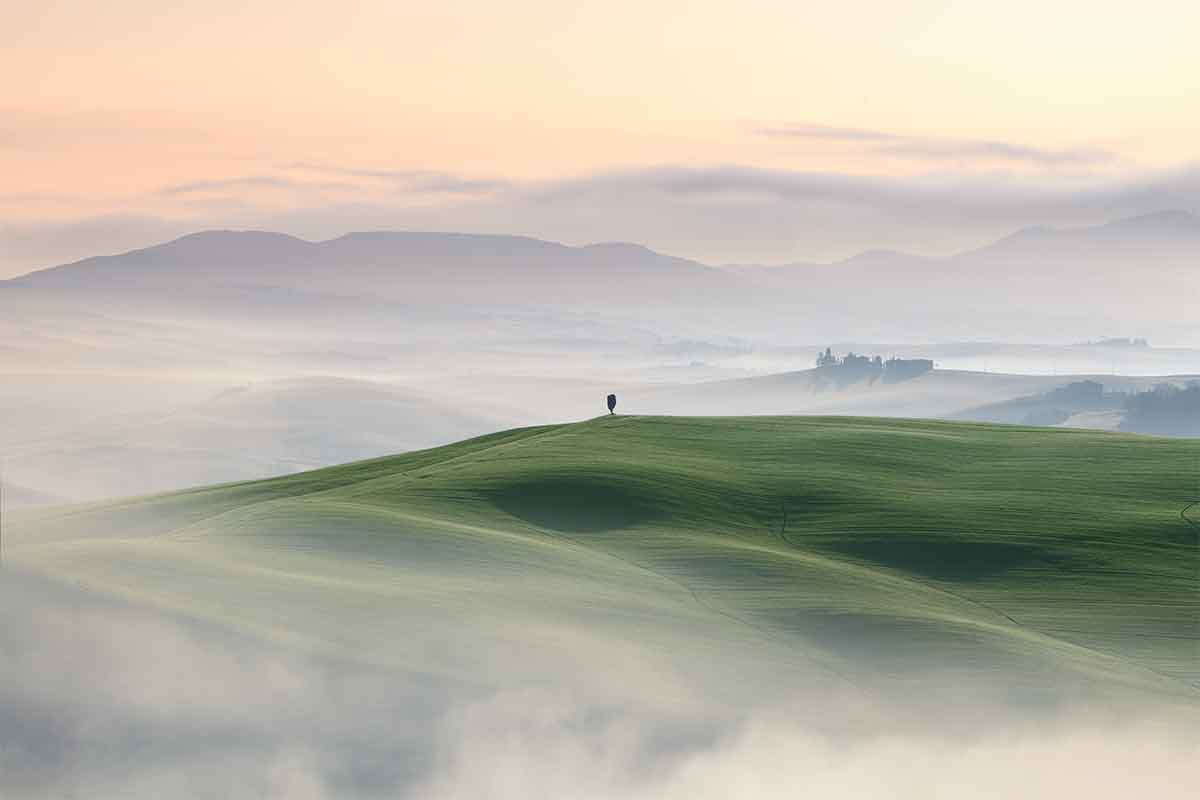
{"x":1173,"y":222}
{"x":220,"y":269}
{"x":250,"y":246}
{"x":1074,"y":282}
{"x":1139,"y":271}
{"x":254,"y":249}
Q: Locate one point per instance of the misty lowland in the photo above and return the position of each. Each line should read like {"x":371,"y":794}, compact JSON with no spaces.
{"x":626,"y":401}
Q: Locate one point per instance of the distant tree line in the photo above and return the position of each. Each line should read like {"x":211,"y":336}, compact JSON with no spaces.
{"x":893,"y":370}
{"x":1166,"y":409}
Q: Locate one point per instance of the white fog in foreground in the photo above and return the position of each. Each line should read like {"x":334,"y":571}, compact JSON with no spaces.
{"x":100,"y":700}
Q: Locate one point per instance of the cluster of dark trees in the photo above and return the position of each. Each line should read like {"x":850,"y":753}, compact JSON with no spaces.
{"x":893,"y":370}
{"x":1165,"y":409}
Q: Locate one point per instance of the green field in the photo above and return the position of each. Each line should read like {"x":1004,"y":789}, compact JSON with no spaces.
{"x":761,"y":549}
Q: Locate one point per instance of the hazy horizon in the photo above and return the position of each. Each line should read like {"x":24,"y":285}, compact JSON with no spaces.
{"x":147,"y":227}
{"x":715,"y":216}
{"x":657,"y":400}
{"x":780,"y":133}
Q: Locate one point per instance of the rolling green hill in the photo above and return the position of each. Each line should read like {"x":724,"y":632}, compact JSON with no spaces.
{"x":841,"y":549}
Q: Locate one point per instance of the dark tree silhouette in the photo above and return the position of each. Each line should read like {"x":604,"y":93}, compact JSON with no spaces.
{"x":612,"y":402}
{"x":1164,"y":409}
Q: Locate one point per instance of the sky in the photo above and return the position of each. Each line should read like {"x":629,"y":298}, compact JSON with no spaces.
{"x":133,"y":120}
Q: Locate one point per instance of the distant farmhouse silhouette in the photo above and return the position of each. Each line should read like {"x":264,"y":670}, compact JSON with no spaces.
{"x":853,"y":367}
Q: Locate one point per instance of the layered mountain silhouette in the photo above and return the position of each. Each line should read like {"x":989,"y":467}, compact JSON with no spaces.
{"x":427,"y":266}
{"x":1054,"y":278}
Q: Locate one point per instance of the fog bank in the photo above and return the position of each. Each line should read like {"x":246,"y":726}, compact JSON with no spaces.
{"x":100,"y":699}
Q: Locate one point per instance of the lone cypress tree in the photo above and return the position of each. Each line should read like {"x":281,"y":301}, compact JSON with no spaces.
{"x":612,"y":402}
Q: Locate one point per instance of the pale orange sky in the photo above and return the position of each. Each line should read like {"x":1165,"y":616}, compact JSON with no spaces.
{"x":105,"y":104}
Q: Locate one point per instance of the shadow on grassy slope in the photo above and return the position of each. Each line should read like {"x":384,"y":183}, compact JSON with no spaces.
{"x":576,"y":504}
{"x":948,"y":559}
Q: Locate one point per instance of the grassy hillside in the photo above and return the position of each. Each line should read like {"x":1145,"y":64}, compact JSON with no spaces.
{"x":843,"y":549}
